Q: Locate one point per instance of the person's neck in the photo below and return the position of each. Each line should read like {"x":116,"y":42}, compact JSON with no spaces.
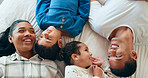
{"x":27,"y":54}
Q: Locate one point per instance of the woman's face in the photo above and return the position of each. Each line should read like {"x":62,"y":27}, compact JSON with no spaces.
{"x":23,"y":37}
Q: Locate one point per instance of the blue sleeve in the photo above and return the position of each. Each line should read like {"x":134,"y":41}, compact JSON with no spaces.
{"x":41,"y":9}
{"x":82,"y":16}
{"x":83,"y":9}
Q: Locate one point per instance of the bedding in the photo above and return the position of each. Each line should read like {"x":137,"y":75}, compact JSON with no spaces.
{"x":11,"y":10}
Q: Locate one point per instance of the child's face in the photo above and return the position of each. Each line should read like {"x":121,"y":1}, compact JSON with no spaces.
{"x":84,"y":57}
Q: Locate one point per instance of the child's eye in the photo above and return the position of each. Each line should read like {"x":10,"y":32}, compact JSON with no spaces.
{"x":86,"y":49}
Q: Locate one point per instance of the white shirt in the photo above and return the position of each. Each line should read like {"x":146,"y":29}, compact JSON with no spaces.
{"x":116,"y":13}
{"x":73,"y":71}
{"x":15,"y":66}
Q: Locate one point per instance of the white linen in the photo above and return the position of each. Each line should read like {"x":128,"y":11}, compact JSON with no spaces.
{"x":11,"y":10}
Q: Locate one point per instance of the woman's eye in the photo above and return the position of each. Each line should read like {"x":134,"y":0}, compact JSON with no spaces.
{"x":32,"y":32}
{"x":21,"y":31}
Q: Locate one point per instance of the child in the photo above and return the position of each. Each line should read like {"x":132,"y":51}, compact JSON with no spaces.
{"x":79,"y":60}
{"x":77,"y":56}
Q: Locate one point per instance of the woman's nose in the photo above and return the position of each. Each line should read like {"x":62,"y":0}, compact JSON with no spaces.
{"x":27,"y":34}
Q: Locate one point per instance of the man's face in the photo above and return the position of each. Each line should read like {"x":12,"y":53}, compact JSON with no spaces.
{"x":49,"y":37}
{"x":118,"y":52}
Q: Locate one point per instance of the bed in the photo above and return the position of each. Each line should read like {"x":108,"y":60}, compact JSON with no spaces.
{"x":11,"y":10}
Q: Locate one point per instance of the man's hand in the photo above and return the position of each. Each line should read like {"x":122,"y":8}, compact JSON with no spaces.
{"x":97,"y":61}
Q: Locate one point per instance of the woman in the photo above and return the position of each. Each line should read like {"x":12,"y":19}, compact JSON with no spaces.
{"x":28,"y":64}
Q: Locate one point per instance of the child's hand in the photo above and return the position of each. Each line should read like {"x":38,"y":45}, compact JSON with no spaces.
{"x":97,"y":61}
{"x":97,"y":71}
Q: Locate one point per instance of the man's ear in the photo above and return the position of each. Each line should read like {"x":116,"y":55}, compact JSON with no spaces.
{"x":75,"y":57}
{"x":134,"y":55}
{"x":10,"y":39}
{"x":60,"y":43}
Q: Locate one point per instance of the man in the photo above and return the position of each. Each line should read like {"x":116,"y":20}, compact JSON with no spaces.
{"x":124,"y":24}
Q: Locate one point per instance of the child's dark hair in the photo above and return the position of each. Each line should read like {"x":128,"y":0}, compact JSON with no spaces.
{"x":50,"y":53}
{"x":69,"y":49}
{"x":7,"y":48}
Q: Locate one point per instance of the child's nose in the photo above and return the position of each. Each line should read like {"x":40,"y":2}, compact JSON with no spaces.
{"x":90,"y":53}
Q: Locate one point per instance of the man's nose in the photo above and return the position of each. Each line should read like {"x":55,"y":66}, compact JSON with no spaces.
{"x":112,"y":51}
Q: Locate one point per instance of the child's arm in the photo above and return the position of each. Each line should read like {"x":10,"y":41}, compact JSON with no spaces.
{"x":104,"y":66}
{"x":97,"y":72}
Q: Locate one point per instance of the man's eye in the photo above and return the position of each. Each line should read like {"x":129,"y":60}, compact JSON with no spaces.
{"x":48,"y":38}
{"x":118,"y":56}
{"x":109,"y":56}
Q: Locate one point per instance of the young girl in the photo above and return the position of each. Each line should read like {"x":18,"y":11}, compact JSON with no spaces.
{"x":77,"y":56}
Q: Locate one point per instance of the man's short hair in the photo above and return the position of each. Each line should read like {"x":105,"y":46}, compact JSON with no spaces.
{"x":130,"y":68}
{"x":50,"y":53}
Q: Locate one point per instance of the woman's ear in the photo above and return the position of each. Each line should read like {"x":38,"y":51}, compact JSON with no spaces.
{"x":134,"y":55}
{"x":60,"y":43}
{"x":10,"y":39}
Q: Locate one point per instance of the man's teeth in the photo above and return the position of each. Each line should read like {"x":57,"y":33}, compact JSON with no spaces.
{"x":114,"y":46}
{"x":27,"y":40}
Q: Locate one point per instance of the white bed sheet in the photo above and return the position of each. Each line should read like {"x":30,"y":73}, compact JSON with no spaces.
{"x":11,"y":10}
